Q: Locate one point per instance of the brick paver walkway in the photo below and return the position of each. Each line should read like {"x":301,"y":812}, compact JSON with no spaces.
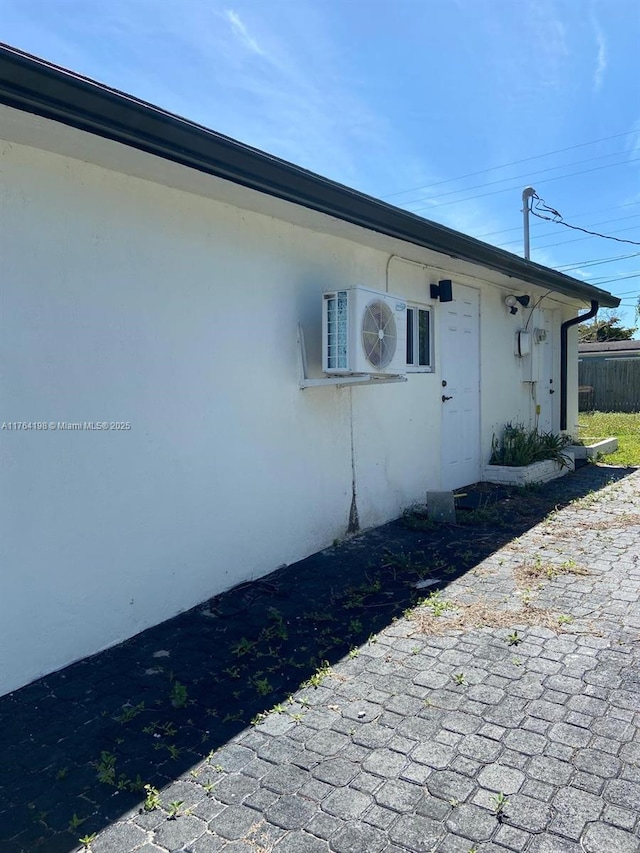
{"x":441,"y":737}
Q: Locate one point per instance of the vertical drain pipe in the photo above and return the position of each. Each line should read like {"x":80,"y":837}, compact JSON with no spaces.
{"x":564,"y":339}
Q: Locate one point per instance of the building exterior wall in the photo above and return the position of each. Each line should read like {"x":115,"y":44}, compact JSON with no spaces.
{"x":129,"y":302}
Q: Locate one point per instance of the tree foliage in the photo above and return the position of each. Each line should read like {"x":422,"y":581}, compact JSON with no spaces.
{"x":607,"y":328}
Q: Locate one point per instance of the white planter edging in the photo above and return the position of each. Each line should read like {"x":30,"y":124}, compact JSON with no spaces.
{"x":590,"y":451}
{"x":539,"y":472}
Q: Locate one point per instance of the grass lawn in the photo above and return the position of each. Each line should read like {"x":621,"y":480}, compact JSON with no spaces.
{"x":624,"y":425}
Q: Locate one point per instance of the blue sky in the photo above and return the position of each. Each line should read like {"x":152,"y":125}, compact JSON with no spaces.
{"x":398,"y":99}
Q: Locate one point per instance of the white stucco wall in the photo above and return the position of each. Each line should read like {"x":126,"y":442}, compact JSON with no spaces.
{"x":505,"y":397}
{"x":128,"y":301}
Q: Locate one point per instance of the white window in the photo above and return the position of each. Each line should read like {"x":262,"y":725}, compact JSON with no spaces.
{"x":419,"y":339}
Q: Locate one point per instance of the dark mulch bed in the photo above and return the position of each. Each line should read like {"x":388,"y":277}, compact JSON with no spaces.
{"x":78,"y":745}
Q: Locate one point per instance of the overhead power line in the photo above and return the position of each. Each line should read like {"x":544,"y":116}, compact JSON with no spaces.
{"x":575,"y":239}
{"x":571,"y":215}
{"x":528,"y":176}
{"x":611,"y":280}
{"x":437,"y":206}
{"x":604,"y":280}
{"x":596,"y":262}
{"x":579,"y":239}
{"x":553,"y":233}
{"x":540,"y":204}
{"x":513,"y":163}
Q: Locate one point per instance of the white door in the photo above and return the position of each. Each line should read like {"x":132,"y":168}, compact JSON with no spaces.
{"x":546,"y":392}
{"x":460,"y":370}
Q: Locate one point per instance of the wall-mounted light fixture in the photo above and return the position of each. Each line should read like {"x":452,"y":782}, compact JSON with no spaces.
{"x":442,"y":291}
{"x":512,"y":301}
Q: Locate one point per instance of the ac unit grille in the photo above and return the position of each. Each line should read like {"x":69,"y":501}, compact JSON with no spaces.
{"x":337,"y":331}
{"x":379,"y":334}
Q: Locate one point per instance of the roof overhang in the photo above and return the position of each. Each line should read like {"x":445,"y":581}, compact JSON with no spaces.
{"x":31,"y":85}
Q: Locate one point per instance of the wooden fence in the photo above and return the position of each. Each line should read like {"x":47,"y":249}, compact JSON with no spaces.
{"x":609,"y":385}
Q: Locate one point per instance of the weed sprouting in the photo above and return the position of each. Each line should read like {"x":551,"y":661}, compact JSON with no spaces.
{"x":355,"y":596}
{"x":322,"y":672}
{"x":233,"y":718}
{"x":437,"y":604}
{"x":75,"y":822}
{"x":179,"y":695}
{"x":514,"y":639}
{"x":243,"y":647}
{"x":174,"y":751}
{"x":500,"y":802}
{"x":106,"y":768}
{"x":130,"y":712}
{"x":417,"y":518}
{"x":491,"y":514}
{"x":175,"y":809}
{"x":152,"y":800}
{"x":262,"y":686}
{"x":278,"y":627}
{"x":538,"y":569}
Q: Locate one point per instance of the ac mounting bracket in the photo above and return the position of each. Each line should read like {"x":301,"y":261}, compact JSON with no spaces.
{"x":338,"y":381}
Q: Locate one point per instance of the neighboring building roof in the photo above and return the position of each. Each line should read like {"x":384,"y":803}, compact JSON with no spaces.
{"x":35,"y":86}
{"x":609,"y":346}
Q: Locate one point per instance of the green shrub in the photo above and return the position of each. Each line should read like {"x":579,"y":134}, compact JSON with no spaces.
{"x":520,"y":446}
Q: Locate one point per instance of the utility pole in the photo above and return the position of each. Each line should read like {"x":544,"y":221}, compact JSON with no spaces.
{"x":527,"y":193}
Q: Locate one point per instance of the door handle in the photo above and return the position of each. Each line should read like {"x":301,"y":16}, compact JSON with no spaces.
{"x":551,"y":391}
{"x":445,"y":398}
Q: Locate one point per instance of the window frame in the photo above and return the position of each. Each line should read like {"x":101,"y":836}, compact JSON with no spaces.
{"x":414,"y":338}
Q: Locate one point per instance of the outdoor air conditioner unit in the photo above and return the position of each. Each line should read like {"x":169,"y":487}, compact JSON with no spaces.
{"x":363,"y":331}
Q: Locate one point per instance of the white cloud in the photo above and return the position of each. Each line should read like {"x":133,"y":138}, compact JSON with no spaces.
{"x":299,"y":101}
{"x":242,"y":33}
{"x":548,"y":41}
{"x":601,"y":60}
{"x":633,"y":147}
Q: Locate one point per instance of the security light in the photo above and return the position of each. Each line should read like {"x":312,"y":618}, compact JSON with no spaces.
{"x":512,"y":301}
